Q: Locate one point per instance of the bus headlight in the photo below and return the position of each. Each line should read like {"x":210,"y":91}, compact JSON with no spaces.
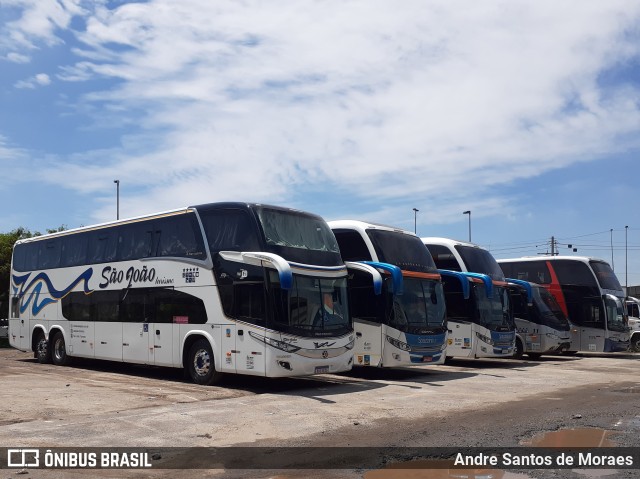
{"x":398,"y":344}
{"x":350,"y":345}
{"x":484,"y":338}
{"x":281,"y":345}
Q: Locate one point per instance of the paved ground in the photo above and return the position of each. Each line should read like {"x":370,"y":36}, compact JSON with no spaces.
{"x":496,"y":403}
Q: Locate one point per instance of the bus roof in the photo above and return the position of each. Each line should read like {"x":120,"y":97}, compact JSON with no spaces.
{"x":184,"y":209}
{"x":582,"y":259}
{"x":449,"y":242}
{"x":361,"y":226}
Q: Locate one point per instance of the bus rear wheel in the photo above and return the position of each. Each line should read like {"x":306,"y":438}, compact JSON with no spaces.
{"x":42,"y":349}
{"x":201,"y":365}
{"x":59,"y":350}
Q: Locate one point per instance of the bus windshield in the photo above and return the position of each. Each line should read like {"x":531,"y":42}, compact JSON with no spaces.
{"x":480,"y":260}
{"x":313,"y":307}
{"x":615,"y":314}
{"x":420,"y":307}
{"x":605,"y":275}
{"x":405,"y":251}
{"x":493,"y":313}
{"x":548,"y":310}
{"x":295,"y":229}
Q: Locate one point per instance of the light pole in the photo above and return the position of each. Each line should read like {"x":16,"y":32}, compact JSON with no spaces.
{"x":468,"y":212}
{"x":415,"y":220}
{"x":612,"y":265}
{"x":626,"y":275}
{"x":117,"y":182}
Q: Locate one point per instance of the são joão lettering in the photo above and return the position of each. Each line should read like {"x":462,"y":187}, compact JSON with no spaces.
{"x":132,"y":275}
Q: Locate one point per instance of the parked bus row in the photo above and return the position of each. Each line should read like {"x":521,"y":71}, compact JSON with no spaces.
{"x":270,"y":291}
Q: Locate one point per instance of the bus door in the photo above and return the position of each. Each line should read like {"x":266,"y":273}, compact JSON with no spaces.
{"x":369,"y":342}
{"x":18,"y":326}
{"x":592,"y":329}
{"x":162,"y":339}
{"x":250,"y":356}
{"x":135,"y":342}
{"x":368,"y":305}
{"x":136,"y":315}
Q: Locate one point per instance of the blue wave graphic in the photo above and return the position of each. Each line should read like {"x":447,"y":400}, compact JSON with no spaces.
{"x":29,"y":291}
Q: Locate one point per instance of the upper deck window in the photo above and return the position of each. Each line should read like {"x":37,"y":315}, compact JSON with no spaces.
{"x":296,"y":230}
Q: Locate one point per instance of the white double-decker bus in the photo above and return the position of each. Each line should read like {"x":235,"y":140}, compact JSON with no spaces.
{"x":588,"y":292}
{"x":479,"y":313}
{"x":397,"y":300}
{"x":215,"y":288}
{"x":541,"y":326}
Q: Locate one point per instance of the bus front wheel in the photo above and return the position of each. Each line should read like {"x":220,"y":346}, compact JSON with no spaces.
{"x":59,"y":350}
{"x":42,"y":349}
{"x":201,"y":365}
{"x":635,"y":343}
{"x":519,"y":350}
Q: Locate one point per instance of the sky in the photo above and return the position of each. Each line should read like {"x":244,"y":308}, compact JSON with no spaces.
{"x":526,"y":114}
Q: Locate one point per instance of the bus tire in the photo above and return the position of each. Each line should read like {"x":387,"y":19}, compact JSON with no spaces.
{"x":42,"y":348}
{"x":201,"y":365}
{"x":59,"y":350}
{"x":634,"y":344}
{"x":534,"y":356}
{"x":519,"y":349}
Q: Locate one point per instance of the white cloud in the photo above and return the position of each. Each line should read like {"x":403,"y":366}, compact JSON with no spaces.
{"x":17,"y":57}
{"x":38,"y":21}
{"x":255,"y":100}
{"x":41,"y":79}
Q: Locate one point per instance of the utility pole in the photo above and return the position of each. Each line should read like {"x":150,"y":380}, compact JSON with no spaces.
{"x":553,"y":246}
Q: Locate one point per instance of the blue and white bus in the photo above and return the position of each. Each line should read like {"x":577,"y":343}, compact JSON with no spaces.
{"x":215,"y":288}
{"x":397,"y":300}
{"x":541,"y":325}
{"x":479,"y":312}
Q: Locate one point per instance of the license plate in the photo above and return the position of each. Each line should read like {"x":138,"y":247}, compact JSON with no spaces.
{"x":427,"y":359}
{"x":322,"y":369}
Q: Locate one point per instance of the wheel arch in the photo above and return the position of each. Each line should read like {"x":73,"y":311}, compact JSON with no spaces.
{"x":191,"y":338}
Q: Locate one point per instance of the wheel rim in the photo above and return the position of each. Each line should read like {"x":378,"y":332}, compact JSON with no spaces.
{"x":58,"y":349}
{"x":202,"y":362}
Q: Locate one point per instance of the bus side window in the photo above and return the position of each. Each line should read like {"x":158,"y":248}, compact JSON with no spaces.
{"x":105,"y":306}
{"x":102,"y":246}
{"x":230,"y":230}
{"x":352,"y":245}
{"x":49,"y":254}
{"x":76,"y":306}
{"x":32,"y":254}
{"x":443,"y":257}
{"x":363,"y":301}
{"x":171,"y":306}
{"x":135,"y":306}
{"x":179,"y":236}
{"x":15,"y":307}
{"x":519,"y":306}
{"x":134,"y":241}
{"x":74,"y":250}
